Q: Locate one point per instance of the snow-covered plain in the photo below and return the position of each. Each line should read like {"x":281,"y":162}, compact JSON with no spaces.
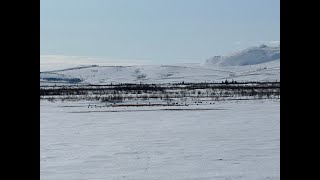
{"x":225,"y":140}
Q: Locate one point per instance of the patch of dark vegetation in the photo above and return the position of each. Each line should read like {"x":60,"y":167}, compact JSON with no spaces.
{"x":147,"y":110}
{"x":193,"y":91}
{"x":68,"y":80}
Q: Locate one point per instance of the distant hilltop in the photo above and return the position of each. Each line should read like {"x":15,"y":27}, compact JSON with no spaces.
{"x":249,"y":56}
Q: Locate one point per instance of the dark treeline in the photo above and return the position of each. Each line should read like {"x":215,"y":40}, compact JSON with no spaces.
{"x":226,"y":82}
{"x":167,"y":91}
{"x":96,"y":89}
{"x":163,"y":86}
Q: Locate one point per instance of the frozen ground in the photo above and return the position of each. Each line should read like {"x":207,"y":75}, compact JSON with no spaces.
{"x":225,"y":140}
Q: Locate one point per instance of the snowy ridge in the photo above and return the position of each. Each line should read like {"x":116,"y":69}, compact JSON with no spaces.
{"x":249,"y":56}
{"x":253,"y":64}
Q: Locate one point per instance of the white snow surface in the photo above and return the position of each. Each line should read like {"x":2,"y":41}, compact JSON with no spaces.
{"x":269,"y":71}
{"x":225,"y":140}
{"x":249,"y":56}
{"x":253,"y":64}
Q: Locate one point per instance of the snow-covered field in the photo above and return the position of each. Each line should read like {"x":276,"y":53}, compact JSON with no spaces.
{"x":225,"y":140}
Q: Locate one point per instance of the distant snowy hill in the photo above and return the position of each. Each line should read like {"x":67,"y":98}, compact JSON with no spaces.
{"x":250,"y":56}
{"x":253,"y":64}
